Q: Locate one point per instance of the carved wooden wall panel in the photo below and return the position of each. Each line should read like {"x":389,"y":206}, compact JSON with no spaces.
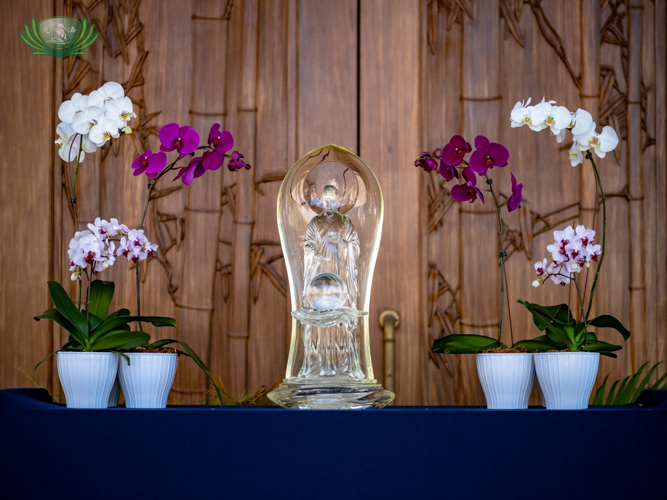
{"x":386,"y":79}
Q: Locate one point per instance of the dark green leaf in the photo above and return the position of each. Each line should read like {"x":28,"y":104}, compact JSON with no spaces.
{"x":610,"y":396}
{"x":101,"y":293}
{"x":599,"y":394}
{"x":201,"y":365}
{"x":642,"y":385}
{"x":626,"y":397}
{"x":600,"y":347}
{"x":54,"y":315}
{"x":476,"y":343}
{"x":120,"y":339}
{"x":534,"y":345}
{"x":656,"y":386}
{"x":119,"y":312}
{"x":621,"y":388}
{"x":66,"y":307}
{"x":606,"y":321}
{"x":608,"y":354}
{"x":118,"y":321}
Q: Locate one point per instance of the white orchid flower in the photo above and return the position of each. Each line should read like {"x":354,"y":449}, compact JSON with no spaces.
{"x":103,"y":131}
{"x":539,"y":115}
{"x":119,"y":228}
{"x":576,"y":157}
{"x":558,"y":121}
{"x":84,"y":249}
{"x":521,"y":114}
{"x":110,"y":90}
{"x":102,"y":228}
{"x":602,"y":143}
{"x":583,"y":234}
{"x":70,"y":108}
{"x":120,"y":110}
{"x":581,"y":122}
{"x":69,"y":141}
{"x":86,"y":119}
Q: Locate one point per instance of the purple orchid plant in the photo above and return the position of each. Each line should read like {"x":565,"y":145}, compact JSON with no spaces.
{"x":451,"y":163}
{"x":186,"y":142}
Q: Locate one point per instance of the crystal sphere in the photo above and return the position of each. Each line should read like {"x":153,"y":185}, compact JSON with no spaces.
{"x":326,"y":291}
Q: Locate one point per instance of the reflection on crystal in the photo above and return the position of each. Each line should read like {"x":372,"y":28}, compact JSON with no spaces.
{"x":326,"y":291}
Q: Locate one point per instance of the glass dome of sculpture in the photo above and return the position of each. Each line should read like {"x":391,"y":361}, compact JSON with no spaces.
{"x":330,"y":211}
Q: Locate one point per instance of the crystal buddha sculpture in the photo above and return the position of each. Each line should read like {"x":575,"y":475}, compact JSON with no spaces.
{"x":330,"y":211}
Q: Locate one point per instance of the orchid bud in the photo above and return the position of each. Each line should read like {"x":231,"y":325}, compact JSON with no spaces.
{"x":127,"y":129}
{"x":75,"y":277}
{"x":588,"y":265}
{"x":537,"y":283}
{"x":105,"y":265}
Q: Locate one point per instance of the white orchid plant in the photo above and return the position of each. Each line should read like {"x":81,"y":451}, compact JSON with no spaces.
{"x":573,"y":249}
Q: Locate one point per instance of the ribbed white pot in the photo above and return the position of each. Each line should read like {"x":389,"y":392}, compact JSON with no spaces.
{"x":147,"y":380}
{"x":566,"y":378}
{"x":507,"y":379}
{"x":87,"y":377}
{"x":115,"y":394}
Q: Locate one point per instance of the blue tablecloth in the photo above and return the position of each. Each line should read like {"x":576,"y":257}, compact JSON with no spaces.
{"x":197,"y":452}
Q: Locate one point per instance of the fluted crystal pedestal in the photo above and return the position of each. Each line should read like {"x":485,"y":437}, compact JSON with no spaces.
{"x":330,"y":212}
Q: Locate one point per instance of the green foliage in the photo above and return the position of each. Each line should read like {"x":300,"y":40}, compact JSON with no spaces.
{"x":626,"y":391}
{"x":96,"y":330}
{"x":563,"y":331}
{"x":465,"y":344}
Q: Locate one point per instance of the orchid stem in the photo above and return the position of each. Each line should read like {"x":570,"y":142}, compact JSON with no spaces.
{"x":589,"y":156}
{"x":503,"y":276}
{"x":79,"y":292}
{"x":76,"y":175}
{"x":581,"y":302}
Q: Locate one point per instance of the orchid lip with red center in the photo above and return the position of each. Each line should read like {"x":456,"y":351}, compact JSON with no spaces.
{"x":458,"y":152}
{"x":488,"y":161}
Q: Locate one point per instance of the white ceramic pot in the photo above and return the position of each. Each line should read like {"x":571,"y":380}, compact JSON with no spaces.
{"x":147,"y":380}
{"x":115,"y":394}
{"x":566,"y":378}
{"x":507,"y":379}
{"x":87,"y":377}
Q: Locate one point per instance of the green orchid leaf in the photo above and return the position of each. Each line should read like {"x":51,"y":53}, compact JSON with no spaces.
{"x":534,"y":345}
{"x":54,"y":315}
{"x":119,"y":312}
{"x":642,"y":385}
{"x":607,"y":321}
{"x":470,"y":341}
{"x":101,"y":293}
{"x":118,"y":321}
{"x":66,"y":307}
{"x":621,"y":388}
{"x":600,"y":347}
{"x":201,"y":365}
{"x":610,"y":396}
{"x":553,"y":329}
{"x":121,"y":339}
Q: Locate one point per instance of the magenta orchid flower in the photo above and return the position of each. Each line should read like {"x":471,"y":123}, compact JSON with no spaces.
{"x":514,"y":201}
{"x":194,"y":169}
{"x":455,"y":150}
{"x":150,"y":163}
{"x":237,"y":163}
{"x":488,"y":155}
{"x":469,"y":190}
{"x":221,"y":141}
{"x":448,"y":171}
{"x":426,"y":163}
{"x":212,"y":160}
{"x":183,"y":139}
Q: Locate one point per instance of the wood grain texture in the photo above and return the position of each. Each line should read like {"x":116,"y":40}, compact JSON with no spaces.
{"x":386,"y":79}
{"x":390,"y":128}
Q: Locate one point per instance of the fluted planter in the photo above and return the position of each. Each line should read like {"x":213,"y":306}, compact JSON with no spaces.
{"x":115,"y":394}
{"x":566,"y":378}
{"x":87,"y":377}
{"x":506,"y":378}
{"x":147,"y":380}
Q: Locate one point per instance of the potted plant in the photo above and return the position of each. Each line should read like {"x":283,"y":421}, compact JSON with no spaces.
{"x":89,"y":122}
{"x":568,"y":353}
{"x":506,"y":374}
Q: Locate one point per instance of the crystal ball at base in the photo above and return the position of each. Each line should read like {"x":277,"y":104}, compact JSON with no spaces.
{"x":326,"y":291}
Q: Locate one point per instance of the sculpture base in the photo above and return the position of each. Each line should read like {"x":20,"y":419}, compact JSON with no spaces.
{"x":330,"y":395}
